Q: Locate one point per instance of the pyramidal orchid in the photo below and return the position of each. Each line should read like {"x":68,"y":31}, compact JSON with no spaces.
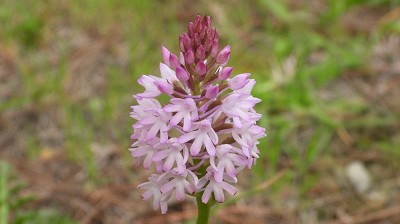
{"x":206,"y":133}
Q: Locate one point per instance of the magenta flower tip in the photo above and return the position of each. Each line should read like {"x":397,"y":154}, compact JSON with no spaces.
{"x":181,"y":74}
{"x":225,"y":73}
{"x":224,"y":55}
{"x":200,"y":68}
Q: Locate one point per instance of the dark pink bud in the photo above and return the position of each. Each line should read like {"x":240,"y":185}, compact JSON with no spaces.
{"x":200,"y":68}
{"x":211,"y":33}
{"x":206,"y":21}
{"x":181,"y":45}
{"x":164,"y":87}
{"x":223,"y":56}
{"x":197,"y":40}
{"x":214,"y":49}
{"x":191,"y":29}
{"x":187,"y":43}
{"x":189,"y":57}
{"x":203,"y":33}
{"x":211,"y":92}
{"x":200,"y":52}
{"x":239,"y":81}
{"x":181,"y":74}
{"x":174,"y":61}
{"x":208,"y":45}
{"x":197,"y":20}
{"x":225,"y":73}
{"x":165,"y":53}
{"x":181,"y":58}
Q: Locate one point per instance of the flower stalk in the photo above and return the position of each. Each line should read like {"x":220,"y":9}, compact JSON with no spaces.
{"x":203,"y":210}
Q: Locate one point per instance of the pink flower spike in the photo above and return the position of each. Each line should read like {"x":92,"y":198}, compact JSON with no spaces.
{"x":200,"y":68}
{"x":165,"y":53}
{"x":239,"y":81}
{"x":181,"y":74}
{"x":203,"y":108}
{"x":223,"y":56}
{"x":225,"y":73}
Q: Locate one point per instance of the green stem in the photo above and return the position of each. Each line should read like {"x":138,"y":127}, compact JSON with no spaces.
{"x":3,"y":192}
{"x":203,"y":210}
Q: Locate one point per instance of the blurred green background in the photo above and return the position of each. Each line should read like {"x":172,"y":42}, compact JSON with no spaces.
{"x":328,"y":72}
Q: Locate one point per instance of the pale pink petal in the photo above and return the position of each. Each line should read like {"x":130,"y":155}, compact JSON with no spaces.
{"x":196,"y":146}
{"x":187,"y":137}
{"x":228,"y":188}
{"x":206,"y":195}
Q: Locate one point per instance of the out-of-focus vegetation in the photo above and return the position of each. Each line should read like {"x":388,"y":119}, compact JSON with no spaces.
{"x":327,"y":71}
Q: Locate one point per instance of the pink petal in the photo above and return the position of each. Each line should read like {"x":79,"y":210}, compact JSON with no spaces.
{"x":147,"y":195}
{"x":180,"y":192}
{"x":228,"y":188}
{"x":206,"y":195}
{"x":187,"y":137}
{"x":218,"y":194}
{"x":176,"y":119}
{"x":187,"y":122}
{"x":209,"y":146}
{"x":196,"y":146}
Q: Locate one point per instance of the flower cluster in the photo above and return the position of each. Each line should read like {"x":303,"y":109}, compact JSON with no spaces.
{"x":206,"y":133}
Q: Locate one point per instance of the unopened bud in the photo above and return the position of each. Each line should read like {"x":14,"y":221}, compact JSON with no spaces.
{"x":200,"y":68}
{"x":191,"y":29}
{"x":165,"y":53}
{"x":181,"y":58}
{"x":203,"y":33}
{"x":174,"y":61}
{"x":223,"y":56}
{"x":197,"y":40}
{"x":200,"y":53}
{"x":181,"y":74}
{"x":187,"y":43}
{"x":208,"y":45}
{"x":225,"y":73}
{"x":239,"y":81}
{"x":211,"y":92}
{"x":211,"y":33}
{"x":181,"y":46}
{"x":197,"y":21}
{"x":214,"y":49}
{"x":164,"y":87}
{"x":189,"y":56}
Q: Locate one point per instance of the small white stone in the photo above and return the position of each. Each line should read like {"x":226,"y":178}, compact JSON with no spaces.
{"x":358,"y":176}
